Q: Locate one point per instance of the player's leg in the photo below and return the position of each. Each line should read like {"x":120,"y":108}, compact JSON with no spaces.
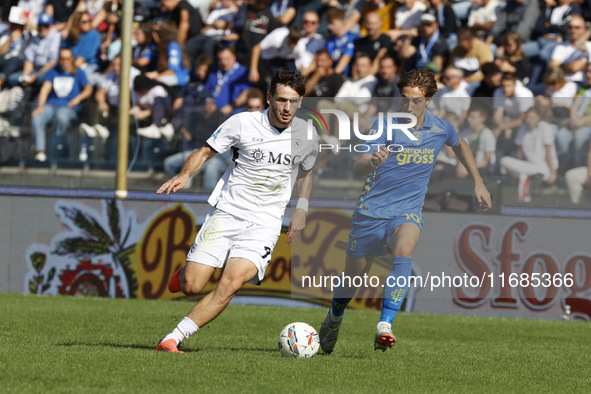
{"x":329,"y":330}
{"x":194,"y":278}
{"x":237,"y":272}
{"x":402,"y":242}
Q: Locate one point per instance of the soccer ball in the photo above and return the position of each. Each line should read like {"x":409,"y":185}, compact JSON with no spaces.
{"x":298,"y":340}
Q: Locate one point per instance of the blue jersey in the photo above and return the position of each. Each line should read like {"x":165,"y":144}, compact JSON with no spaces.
{"x":175,"y":63}
{"x":400,"y":183}
{"x":65,"y":86}
{"x":338,"y":47}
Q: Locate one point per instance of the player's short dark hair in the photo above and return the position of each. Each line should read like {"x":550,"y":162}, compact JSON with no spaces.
{"x":419,"y":78}
{"x":293,"y":79}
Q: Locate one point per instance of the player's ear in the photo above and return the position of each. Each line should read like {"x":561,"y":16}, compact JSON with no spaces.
{"x":300,"y":101}
{"x":269,"y":98}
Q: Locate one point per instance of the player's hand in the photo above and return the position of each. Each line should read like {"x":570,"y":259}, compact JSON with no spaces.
{"x":379,"y":156}
{"x":483,"y":197}
{"x":173,"y":185}
{"x":296,"y":225}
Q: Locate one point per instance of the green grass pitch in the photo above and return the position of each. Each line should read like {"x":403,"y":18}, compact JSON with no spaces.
{"x":93,"y":345}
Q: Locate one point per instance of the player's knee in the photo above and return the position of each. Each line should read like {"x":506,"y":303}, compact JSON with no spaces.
{"x":404,"y":250}
{"x":192,"y":287}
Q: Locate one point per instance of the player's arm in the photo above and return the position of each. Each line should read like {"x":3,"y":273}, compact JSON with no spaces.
{"x":297,"y":223}
{"x":464,"y":154}
{"x":366,"y":162}
{"x":194,"y":163}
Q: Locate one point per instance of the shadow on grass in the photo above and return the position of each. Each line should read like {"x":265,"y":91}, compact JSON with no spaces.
{"x":119,"y":345}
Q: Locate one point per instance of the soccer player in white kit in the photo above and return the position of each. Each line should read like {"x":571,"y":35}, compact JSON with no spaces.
{"x":249,"y":201}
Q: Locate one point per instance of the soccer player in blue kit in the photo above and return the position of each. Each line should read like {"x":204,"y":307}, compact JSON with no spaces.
{"x":389,"y":210}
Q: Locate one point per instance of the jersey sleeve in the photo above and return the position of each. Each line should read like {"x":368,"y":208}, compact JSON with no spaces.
{"x":374,"y":144}
{"x":453,"y":136}
{"x":226,"y":136}
{"x":308,"y":163}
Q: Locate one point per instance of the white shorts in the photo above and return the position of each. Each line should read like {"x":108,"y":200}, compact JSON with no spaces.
{"x":224,"y":236}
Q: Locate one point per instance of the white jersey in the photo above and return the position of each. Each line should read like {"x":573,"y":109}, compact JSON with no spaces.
{"x":257,"y":186}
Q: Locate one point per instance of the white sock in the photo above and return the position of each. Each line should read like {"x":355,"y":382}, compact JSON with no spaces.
{"x":385,"y":323}
{"x":183,"y":330}
{"x":334,"y":318}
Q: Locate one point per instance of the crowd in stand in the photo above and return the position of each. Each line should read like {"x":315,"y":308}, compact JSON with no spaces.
{"x":514,"y":75}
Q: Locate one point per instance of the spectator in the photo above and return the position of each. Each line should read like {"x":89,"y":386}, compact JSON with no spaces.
{"x":33,"y":9}
{"x":85,"y":43}
{"x":385,"y":9}
{"x":352,"y":12}
{"x":144,"y":51}
{"x":60,"y":11}
{"x":481,"y":140}
{"x":97,"y":11}
{"x":510,"y":102}
{"x":511,"y":59}
{"x":375,"y":44}
{"x":536,"y":154}
{"x":403,"y":52}
{"x":254,"y":24}
{"x":188,"y":110}
{"x":431,"y":46}
{"x":354,"y":96}
{"x":64,"y":88}
{"x":387,"y":79}
{"x":219,"y":24}
{"x":284,"y":11}
{"x":572,"y":56}
{"x":341,"y":43}
{"x":446,"y":20}
{"x":41,"y":54}
{"x":577,"y":178}
{"x":407,"y":19}
{"x":571,"y":138}
{"x":517,"y":15}
{"x":491,"y":80}
{"x":107,"y":100}
{"x":255,"y":100}
{"x":190,"y":26}
{"x":228,"y":85}
{"x":482,"y":17}
{"x":190,"y":102}
{"x":277,"y":52}
{"x":173,"y":61}
{"x":12,"y":48}
{"x":455,"y":97}
{"x":151,"y":107}
{"x":469,"y":55}
{"x":324,"y":82}
{"x":309,"y":44}
{"x":551,"y":29}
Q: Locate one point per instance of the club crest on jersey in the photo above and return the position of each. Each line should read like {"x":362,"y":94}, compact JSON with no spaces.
{"x":258,"y":155}
{"x":419,"y":136}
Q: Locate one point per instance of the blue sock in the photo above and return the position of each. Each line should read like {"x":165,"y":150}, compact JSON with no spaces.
{"x":394,"y":294}
{"x":339,"y":305}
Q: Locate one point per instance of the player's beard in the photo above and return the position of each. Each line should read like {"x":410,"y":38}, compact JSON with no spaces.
{"x":283,"y":118}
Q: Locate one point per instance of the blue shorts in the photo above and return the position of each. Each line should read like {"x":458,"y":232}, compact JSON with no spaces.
{"x":369,"y":236}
